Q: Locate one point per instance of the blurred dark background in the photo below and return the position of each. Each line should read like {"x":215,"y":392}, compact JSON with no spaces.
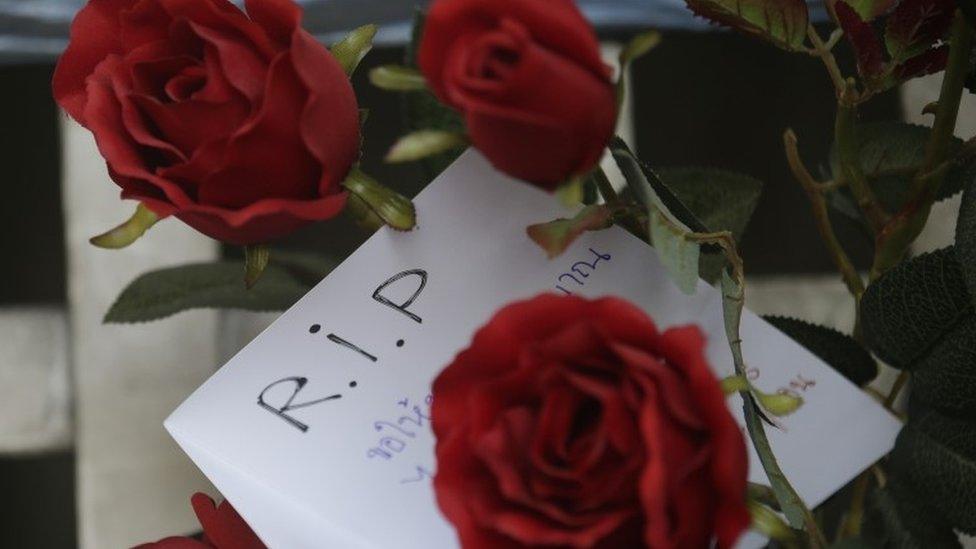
{"x":712,"y":99}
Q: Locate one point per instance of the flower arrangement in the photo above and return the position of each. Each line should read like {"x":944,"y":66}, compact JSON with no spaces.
{"x":568,"y":422}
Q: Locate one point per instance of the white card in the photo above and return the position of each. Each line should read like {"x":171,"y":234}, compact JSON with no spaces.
{"x":318,"y":431}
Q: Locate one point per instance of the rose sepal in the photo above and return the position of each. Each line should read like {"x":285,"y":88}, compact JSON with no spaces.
{"x":351,"y":50}
{"x":397,"y":78}
{"x":386,"y":204}
{"x":127,"y":232}
{"x":423,"y":144}
{"x":256,"y":259}
{"x":768,"y":523}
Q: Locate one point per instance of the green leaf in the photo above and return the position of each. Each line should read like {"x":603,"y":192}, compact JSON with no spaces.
{"x":704,"y":200}
{"x":938,"y":455}
{"x":679,"y":254}
{"x":966,"y":238}
{"x":782,"y":22}
{"x":648,"y":187}
{"x":919,"y":317}
{"x":351,"y":50}
{"x":397,"y":78}
{"x":909,"y":310}
{"x":425,"y":144}
{"x":915,"y":25}
{"x":891,"y":153}
{"x":948,"y":381}
{"x":838,"y":350}
{"x":556,"y":236}
{"x":723,"y":201}
{"x":159,"y":294}
{"x":870,"y":9}
{"x":670,"y":222}
{"x":897,"y":518}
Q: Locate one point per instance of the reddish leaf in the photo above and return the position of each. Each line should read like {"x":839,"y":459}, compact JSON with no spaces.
{"x":870,"y":9}
{"x":867,"y":46}
{"x":930,"y":62}
{"x":782,"y":22}
{"x":916,"y":25}
{"x":556,"y":236}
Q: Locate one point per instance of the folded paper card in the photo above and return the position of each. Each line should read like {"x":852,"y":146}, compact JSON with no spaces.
{"x":318,"y":431}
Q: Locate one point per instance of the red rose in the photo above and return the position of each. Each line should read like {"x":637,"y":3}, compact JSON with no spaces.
{"x":574,"y":423}
{"x":243,"y":126}
{"x":223,"y":528}
{"x":528,"y":78}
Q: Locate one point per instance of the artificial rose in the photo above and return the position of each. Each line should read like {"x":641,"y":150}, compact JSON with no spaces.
{"x":575,"y":423}
{"x":223,"y":528}
{"x":528,"y":78}
{"x":242,"y":126}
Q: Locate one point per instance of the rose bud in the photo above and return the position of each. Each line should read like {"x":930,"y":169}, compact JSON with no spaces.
{"x":575,"y":423}
{"x":243,"y":126}
{"x":528,"y":78}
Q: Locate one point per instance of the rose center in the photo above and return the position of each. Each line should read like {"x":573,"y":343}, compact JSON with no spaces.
{"x":186,"y":83}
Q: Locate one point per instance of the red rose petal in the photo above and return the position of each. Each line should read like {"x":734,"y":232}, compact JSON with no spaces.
{"x":686,"y":346}
{"x":146,"y":23}
{"x":673,"y":388}
{"x":279,"y":18}
{"x":222,"y":526}
{"x":175,"y":543}
{"x":242,"y":65}
{"x":556,"y":24}
{"x":266,"y":159}
{"x":329,"y":124}
{"x":222,"y":17}
{"x":94,"y":36}
{"x":104,"y":118}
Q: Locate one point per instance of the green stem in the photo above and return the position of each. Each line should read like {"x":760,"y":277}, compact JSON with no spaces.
{"x":822,"y":51}
{"x":851,"y":527}
{"x":733,"y":302}
{"x":900,"y":383}
{"x":845,"y":138}
{"x":610,"y":196}
{"x":898,"y":235}
{"x":814,"y":190}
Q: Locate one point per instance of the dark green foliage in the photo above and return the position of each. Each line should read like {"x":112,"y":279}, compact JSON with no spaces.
{"x":704,"y":199}
{"x":919,"y":317}
{"x":159,"y":294}
{"x":838,"y":350}
{"x":644,"y":183}
{"x":897,"y":518}
{"x":723,"y":201}
{"x":908,"y":312}
{"x":966,"y":238}
{"x":891,"y":153}
{"x":937,"y":454}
